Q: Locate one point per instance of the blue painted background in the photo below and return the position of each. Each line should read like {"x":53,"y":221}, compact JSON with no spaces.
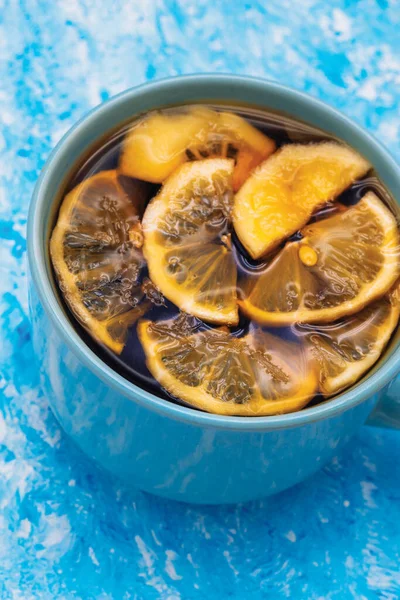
{"x":68,"y":531}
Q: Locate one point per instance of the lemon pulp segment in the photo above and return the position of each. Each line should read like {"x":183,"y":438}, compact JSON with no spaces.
{"x":346,"y":349}
{"x":213,"y":371}
{"x":283,"y":192}
{"x":162,"y":141}
{"x":186,"y":231}
{"x":95,"y":256}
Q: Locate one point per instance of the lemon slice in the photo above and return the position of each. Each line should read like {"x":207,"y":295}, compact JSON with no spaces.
{"x":187,"y":240}
{"x":345,"y":350}
{"x":216,"y":372}
{"x":282,"y":193}
{"x":342,"y":264}
{"x":94,"y":250}
{"x":162,"y":141}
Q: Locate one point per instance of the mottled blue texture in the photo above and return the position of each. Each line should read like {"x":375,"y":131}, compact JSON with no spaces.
{"x":69,"y":531}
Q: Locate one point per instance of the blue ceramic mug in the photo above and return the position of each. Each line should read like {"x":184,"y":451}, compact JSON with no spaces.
{"x":155,"y":445}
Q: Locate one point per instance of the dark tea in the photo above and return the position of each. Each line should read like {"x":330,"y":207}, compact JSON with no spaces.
{"x":231,"y":259}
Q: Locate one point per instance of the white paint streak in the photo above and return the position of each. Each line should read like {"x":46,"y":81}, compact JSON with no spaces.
{"x":190,"y":559}
{"x":56,"y":536}
{"x":229,"y":561}
{"x":201,"y":526}
{"x":93,"y":557}
{"x":58,"y":529}
{"x":342,"y":24}
{"x":368,"y":90}
{"x":367,"y":488}
{"x":323,"y":519}
{"x":152,"y":579}
{"x":169,"y":566}
{"x":24,"y":530}
{"x":3,"y":428}
{"x":382,"y":580}
{"x":388,"y":131}
{"x":155,"y":538}
{"x":291,"y":536}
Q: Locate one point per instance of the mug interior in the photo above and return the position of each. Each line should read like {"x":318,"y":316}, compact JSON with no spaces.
{"x":100,"y":123}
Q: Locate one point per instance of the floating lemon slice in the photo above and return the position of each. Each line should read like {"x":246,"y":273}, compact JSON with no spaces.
{"x":342,"y":264}
{"x":281,"y":194}
{"x":187,"y":240}
{"x":163,"y":141}
{"x":213,"y":371}
{"x":345,"y":350}
{"x":94,"y":250}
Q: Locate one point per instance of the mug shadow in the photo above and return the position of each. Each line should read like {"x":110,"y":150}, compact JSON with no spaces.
{"x":323,"y":524}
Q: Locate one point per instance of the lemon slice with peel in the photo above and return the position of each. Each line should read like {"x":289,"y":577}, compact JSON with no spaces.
{"x":281,"y":194}
{"x":345,"y":350}
{"x":95,"y":255}
{"x":342,"y":264}
{"x":186,"y":231}
{"x":216,"y":372}
{"x":162,"y":141}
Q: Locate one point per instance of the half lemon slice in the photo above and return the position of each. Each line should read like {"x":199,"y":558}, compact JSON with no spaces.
{"x":94,"y":251}
{"x":216,"y":372}
{"x":187,"y":245}
{"x":345,"y":350}
{"x":340,"y":265}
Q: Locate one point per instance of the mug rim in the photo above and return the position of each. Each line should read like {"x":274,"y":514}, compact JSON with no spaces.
{"x":37,"y":264}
